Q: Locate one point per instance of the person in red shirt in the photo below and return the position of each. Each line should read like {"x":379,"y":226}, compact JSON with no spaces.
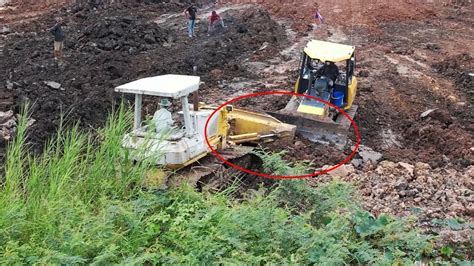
{"x":214,"y":20}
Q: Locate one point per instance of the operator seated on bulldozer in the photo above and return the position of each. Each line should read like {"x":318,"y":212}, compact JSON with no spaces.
{"x":163,"y":118}
{"x":330,"y":71}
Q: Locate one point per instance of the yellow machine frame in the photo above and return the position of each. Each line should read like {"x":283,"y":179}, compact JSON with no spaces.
{"x":238,"y":125}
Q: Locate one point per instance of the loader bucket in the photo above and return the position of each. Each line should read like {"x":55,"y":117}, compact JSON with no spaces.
{"x":324,"y":131}
{"x":316,"y":131}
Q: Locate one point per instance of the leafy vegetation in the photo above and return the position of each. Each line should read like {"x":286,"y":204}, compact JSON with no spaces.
{"x":274,"y":163}
{"x":83,"y":202}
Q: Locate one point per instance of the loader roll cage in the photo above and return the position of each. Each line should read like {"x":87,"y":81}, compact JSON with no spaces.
{"x":316,"y":54}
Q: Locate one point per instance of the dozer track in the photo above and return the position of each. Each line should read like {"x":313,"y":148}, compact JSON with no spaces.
{"x":200,"y":172}
{"x":209,"y":167}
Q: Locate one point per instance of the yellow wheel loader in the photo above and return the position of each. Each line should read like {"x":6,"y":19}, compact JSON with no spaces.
{"x":326,"y":72}
{"x":178,"y":143}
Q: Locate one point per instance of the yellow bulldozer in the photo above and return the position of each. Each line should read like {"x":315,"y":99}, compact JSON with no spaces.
{"x":327,"y":73}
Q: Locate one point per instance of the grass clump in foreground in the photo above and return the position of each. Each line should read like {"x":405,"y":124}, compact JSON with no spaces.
{"x":82,"y":202}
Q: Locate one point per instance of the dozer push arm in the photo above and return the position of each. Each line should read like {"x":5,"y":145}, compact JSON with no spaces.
{"x":237,"y":126}
{"x":251,"y":126}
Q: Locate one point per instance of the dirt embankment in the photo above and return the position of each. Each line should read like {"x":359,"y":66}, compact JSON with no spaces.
{"x":345,"y":13}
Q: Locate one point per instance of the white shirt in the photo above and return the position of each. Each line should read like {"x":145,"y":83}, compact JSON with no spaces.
{"x":163,"y":119}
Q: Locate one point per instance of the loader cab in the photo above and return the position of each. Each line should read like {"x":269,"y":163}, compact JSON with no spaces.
{"x":327,"y":72}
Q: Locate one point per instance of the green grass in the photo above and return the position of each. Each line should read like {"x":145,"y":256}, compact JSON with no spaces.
{"x":82,"y":202}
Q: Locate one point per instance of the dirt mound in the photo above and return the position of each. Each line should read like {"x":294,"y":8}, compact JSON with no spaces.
{"x":302,"y":149}
{"x":102,"y":55}
{"x":439,"y":139}
{"x":258,"y":19}
{"x":457,"y":69}
{"x":123,"y":34}
{"x":442,"y":141}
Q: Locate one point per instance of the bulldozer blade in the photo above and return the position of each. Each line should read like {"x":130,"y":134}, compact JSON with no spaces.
{"x":319,"y":131}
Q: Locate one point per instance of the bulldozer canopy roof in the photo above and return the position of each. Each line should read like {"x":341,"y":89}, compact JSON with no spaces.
{"x":172,"y":86}
{"x":328,"y":51}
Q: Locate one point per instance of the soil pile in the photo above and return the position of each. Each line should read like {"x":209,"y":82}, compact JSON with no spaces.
{"x":80,"y":86}
{"x":441,"y":140}
{"x":457,"y":68}
{"x":121,"y":34}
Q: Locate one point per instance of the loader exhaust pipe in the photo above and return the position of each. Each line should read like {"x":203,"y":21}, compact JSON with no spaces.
{"x":195,"y":94}
{"x":196,"y":101}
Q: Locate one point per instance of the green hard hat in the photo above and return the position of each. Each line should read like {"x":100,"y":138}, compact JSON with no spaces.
{"x":165,"y":102}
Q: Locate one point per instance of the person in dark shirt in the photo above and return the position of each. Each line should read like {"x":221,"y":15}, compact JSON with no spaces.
{"x":190,"y":13}
{"x":331,"y":71}
{"x":58,"y":39}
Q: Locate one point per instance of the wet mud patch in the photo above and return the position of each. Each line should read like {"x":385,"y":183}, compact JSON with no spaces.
{"x":302,"y":150}
{"x":265,"y":103}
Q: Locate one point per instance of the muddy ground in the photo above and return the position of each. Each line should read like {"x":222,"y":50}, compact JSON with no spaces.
{"x":411,"y":58}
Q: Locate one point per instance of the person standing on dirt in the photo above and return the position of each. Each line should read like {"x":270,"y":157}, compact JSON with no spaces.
{"x":59,"y":37}
{"x":214,"y":20}
{"x":190,"y":13}
{"x":319,"y":17}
